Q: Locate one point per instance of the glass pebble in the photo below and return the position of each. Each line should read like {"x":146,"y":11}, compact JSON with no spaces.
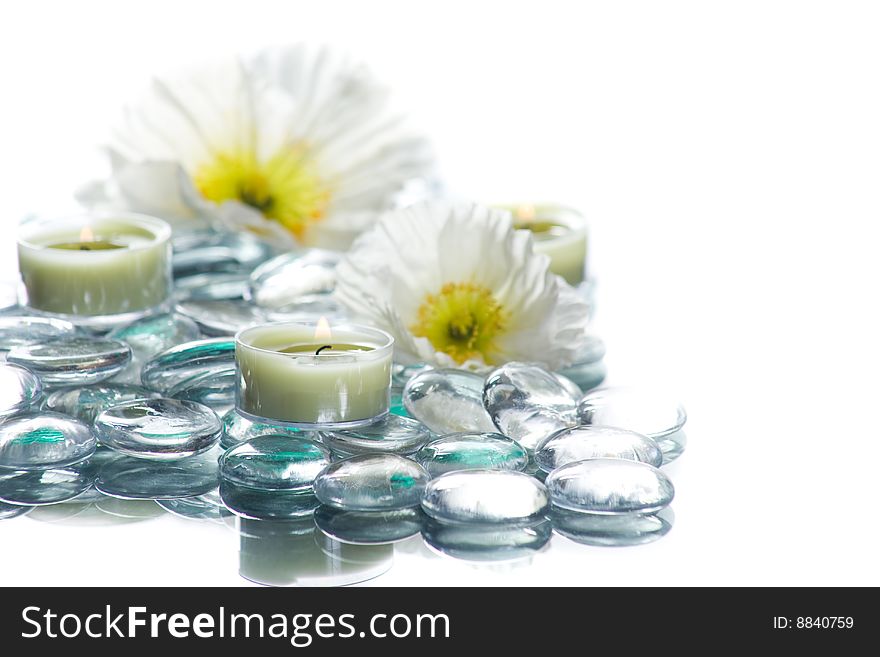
{"x":201,"y":507}
{"x":215,"y":285}
{"x":401,"y":374}
{"x":23,"y":330}
{"x":588,"y":370}
{"x":492,"y":543}
{"x":237,"y":429}
{"x":607,"y":486}
{"x":611,"y":530}
{"x":592,"y":442}
{"x":448,"y":401}
{"x":87,"y":402}
{"x":275,"y":463}
{"x":207,"y":251}
{"x":42,"y":487}
{"x":134,"y":478}
{"x":371,"y":482}
{"x":9,"y":511}
{"x":392,"y":434}
{"x":288,"y":277}
{"x":158,"y":428}
{"x":527,"y":403}
{"x":264,"y":504}
{"x":369,"y":527}
{"x":174,"y":367}
{"x":45,"y":440}
{"x":572,"y":388}
{"x":222,"y":317}
{"x":73,"y":360}
{"x":469,"y":451}
{"x":151,"y":336}
{"x":214,"y":390}
{"x":485,"y":496}
{"x":649,"y":412}
{"x":19,"y":389}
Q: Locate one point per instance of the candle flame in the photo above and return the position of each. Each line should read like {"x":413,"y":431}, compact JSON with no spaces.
{"x":526,"y":213}
{"x":322,"y":330}
{"x":86,"y":234}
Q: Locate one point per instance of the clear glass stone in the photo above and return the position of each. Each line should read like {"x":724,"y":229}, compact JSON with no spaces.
{"x":649,"y":412}
{"x":19,"y":389}
{"x":134,"y":478}
{"x":527,"y":403}
{"x":201,"y":507}
{"x":392,"y":435}
{"x":23,"y":330}
{"x":222,"y":317}
{"x":572,"y":388}
{"x":485,"y":496}
{"x":158,"y":428}
{"x":9,"y":511}
{"x":213,"y":285}
{"x":291,"y":276}
{"x":150,"y":337}
{"x":470,"y":451}
{"x":267,"y":505}
{"x":73,"y":360}
{"x":610,"y":486}
{"x":401,"y":374}
{"x":493,"y":543}
{"x":588,"y":370}
{"x":43,"y":441}
{"x":611,"y":530}
{"x":369,"y":527}
{"x":593,"y":442}
{"x":208,"y":251}
{"x":275,"y":463}
{"x":448,"y":401}
{"x":371,"y":482}
{"x":212,"y":389}
{"x":43,"y":487}
{"x":175,"y":367}
{"x":87,"y":402}
{"x":237,"y":429}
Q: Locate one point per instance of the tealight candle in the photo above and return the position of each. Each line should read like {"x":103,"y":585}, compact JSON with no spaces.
{"x":559,"y":232}
{"x":96,"y":266}
{"x":313,"y":377}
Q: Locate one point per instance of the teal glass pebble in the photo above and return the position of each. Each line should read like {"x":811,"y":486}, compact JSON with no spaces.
{"x":291,"y":276}
{"x":487,"y":543}
{"x":73,"y":360}
{"x":216,"y":390}
{"x":133,"y":478}
{"x":396,"y":405}
{"x":255,"y":504}
{"x":87,"y":402}
{"x":222,"y":317}
{"x":158,"y":428}
{"x":174,"y":367}
{"x":610,"y":486}
{"x":43,"y":441}
{"x":45,"y":487}
{"x":591,"y":442}
{"x":611,"y":530}
{"x":212,"y":285}
{"x":369,"y":527}
{"x":469,"y":451}
{"x":447,"y":401}
{"x":9,"y":511}
{"x":237,"y":429}
{"x":274,"y":463}
{"x":485,"y":496}
{"x":392,"y":435}
{"x":19,"y":389}
{"x":150,"y":337}
{"x":23,"y":330}
{"x":371,"y":482}
{"x":528,"y":403}
{"x":588,"y":369}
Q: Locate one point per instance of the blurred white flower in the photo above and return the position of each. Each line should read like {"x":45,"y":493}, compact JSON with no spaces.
{"x":295,"y":143}
{"x":458,"y":286}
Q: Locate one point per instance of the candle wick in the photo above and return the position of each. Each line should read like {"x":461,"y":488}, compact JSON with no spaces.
{"x":320,"y":349}
{"x":83,"y":247}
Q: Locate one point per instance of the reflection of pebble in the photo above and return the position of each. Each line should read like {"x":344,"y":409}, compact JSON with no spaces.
{"x":262,"y":504}
{"x":611,"y":530}
{"x":9,"y":511}
{"x":487,"y":542}
{"x":39,"y":487}
{"x":369,"y":527}
{"x":135,"y":478}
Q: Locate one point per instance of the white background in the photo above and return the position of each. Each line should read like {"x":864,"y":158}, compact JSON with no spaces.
{"x":728,"y":157}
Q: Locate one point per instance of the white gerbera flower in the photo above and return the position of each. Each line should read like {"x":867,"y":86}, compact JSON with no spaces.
{"x":293,"y":143}
{"x":458,"y":286}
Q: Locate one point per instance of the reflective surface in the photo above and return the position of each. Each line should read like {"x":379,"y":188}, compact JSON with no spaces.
{"x":73,"y":360}
{"x":36,"y":441}
{"x":469,"y":451}
{"x":447,"y":401}
{"x":19,"y":388}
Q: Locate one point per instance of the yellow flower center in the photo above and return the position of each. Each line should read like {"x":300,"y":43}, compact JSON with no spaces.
{"x":285,"y":188}
{"x":463,"y":320}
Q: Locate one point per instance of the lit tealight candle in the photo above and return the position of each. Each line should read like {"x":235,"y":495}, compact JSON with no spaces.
{"x":96,"y":266}
{"x":313,"y":377}
{"x":559,"y":232}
